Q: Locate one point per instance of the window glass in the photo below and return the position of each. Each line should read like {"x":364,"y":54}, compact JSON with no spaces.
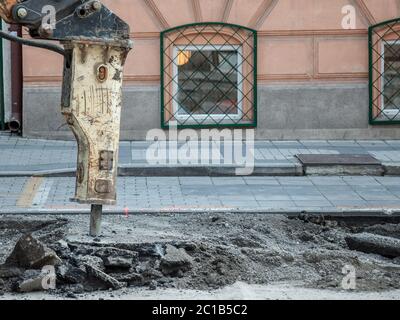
{"x":208,"y":82}
{"x":391,"y":77}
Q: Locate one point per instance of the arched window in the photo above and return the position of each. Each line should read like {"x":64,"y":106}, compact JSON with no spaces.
{"x":208,"y":76}
{"x":384,"y":56}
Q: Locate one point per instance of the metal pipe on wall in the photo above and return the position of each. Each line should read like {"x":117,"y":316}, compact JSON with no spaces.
{"x":15,"y":124}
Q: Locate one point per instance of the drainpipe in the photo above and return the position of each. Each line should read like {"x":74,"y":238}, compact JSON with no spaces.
{"x":16,"y":81}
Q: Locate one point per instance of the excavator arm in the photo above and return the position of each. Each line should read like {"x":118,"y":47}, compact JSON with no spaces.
{"x":95,"y":43}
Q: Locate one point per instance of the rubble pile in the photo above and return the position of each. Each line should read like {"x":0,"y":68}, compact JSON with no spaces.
{"x":84,"y":267}
{"x":222,"y":250}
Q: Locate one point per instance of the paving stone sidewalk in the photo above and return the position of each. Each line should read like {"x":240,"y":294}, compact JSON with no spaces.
{"x":200,"y":194}
{"x":29,"y":155}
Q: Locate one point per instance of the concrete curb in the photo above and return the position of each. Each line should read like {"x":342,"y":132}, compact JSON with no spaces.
{"x":279,"y":169}
{"x":40,"y":173}
{"x":391,"y":169}
{"x":395,"y":213}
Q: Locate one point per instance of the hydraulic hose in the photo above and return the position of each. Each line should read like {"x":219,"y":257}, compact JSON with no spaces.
{"x":33,"y":43}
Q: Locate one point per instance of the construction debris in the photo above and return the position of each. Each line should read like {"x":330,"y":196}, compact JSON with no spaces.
{"x":370,"y":243}
{"x":117,"y":263}
{"x":33,"y":280}
{"x":175,"y":261}
{"x":30,"y":253}
{"x":7,"y":272}
{"x":70,"y":274}
{"x":108,"y":281}
{"x":199,"y":252}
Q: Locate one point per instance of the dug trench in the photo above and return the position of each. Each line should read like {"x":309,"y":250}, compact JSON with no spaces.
{"x":197,"y":251}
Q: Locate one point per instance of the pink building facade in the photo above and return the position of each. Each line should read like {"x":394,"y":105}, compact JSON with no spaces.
{"x":291,"y":69}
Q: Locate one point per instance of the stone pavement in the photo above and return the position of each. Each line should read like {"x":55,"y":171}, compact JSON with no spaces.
{"x":20,"y":156}
{"x":204,"y":194}
{"x":27,"y":184}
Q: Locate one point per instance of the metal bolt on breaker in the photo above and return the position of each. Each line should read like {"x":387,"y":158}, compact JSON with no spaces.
{"x":95,"y":43}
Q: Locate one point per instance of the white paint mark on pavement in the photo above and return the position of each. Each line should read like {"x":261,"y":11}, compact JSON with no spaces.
{"x":43,"y":192}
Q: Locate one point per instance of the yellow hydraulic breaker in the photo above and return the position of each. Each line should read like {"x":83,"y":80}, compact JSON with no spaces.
{"x":95,"y":43}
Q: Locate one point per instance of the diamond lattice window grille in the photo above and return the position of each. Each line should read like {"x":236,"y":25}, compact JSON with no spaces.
{"x":384,"y":64}
{"x":209,"y":76}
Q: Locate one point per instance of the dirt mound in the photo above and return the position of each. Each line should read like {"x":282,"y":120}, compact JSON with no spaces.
{"x":208,"y":251}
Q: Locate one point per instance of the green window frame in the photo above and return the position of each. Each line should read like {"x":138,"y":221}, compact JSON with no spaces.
{"x":384,"y":73}
{"x":208,"y":76}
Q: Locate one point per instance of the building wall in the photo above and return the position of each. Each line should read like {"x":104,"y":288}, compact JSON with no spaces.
{"x":312,"y":74}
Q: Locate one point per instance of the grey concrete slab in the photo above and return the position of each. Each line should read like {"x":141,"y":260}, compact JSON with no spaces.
{"x":273,"y":157}
{"x":238,"y":203}
{"x":361,"y":181}
{"x":328,"y":181}
{"x":311,"y":190}
{"x":294,"y":144}
{"x":281,"y":204}
{"x":394,"y":190}
{"x":377,"y":196}
{"x":258,"y":181}
{"x":393,"y":143}
{"x":307,"y":198}
{"x":155,"y":194}
{"x":195,"y":181}
{"x":349,"y":203}
{"x":344,"y":143}
{"x":372,"y":143}
{"x":273,"y":197}
{"x":314,"y":203}
{"x":230,"y":190}
{"x":315,"y":143}
{"x":342,"y":195}
{"x":390,"y":204}
{"x":295,"y":181}
{"x":228,"y":181}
